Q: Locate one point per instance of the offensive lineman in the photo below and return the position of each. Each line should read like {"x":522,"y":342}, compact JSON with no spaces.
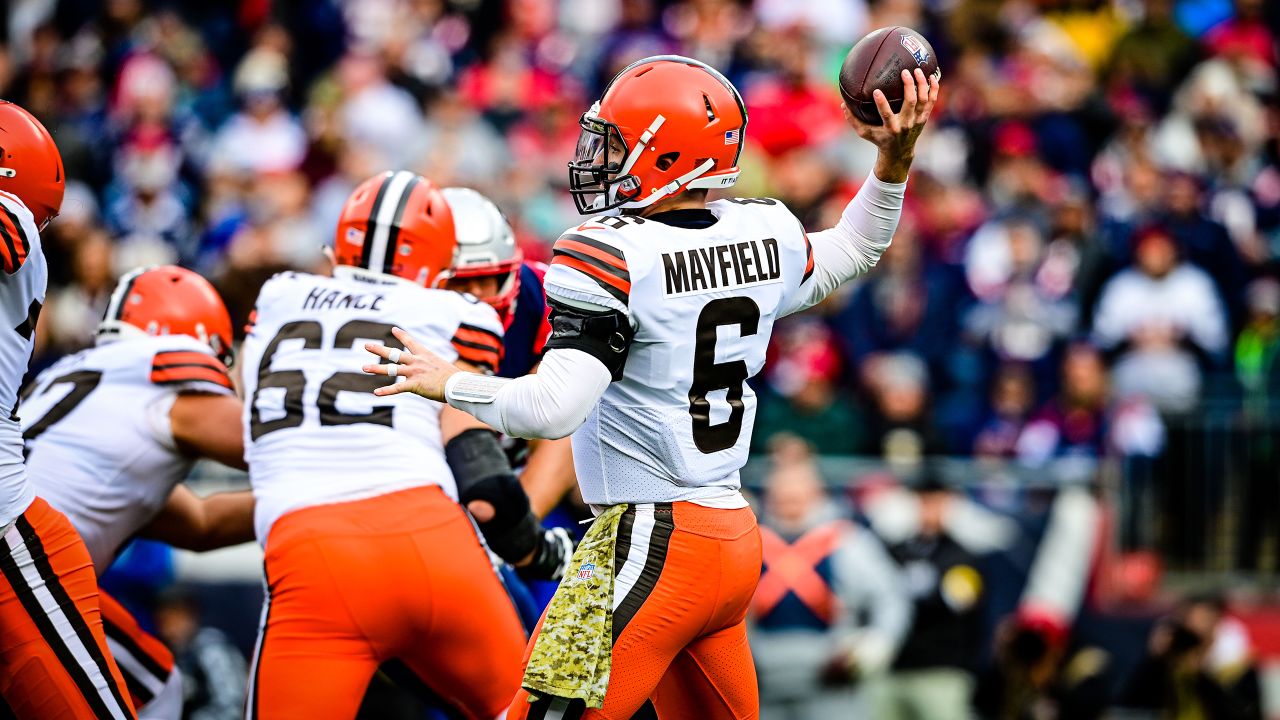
{"x":660,"y":316}
{"x":111,"y":432}
{"x":489,"y":266}
{"x":54,"y":662}
{"x":369,"y":558}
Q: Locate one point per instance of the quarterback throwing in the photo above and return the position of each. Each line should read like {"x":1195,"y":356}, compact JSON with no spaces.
{"x":659,"y":317}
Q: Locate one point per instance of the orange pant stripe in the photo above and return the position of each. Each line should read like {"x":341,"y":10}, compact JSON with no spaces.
{"x":53,"y":657}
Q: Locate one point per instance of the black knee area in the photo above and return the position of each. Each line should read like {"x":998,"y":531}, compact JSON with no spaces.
{"x":482,"y":472}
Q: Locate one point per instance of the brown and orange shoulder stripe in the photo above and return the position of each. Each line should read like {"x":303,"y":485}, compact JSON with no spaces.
{"x":176,"y":367}
{"x":808,"y":260}
{"x":14,"y":243}
{"x":478,"y":346}
{"x":601,"y":262}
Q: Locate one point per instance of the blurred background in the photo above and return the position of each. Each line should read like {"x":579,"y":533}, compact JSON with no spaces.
{"x":1029,"y":467}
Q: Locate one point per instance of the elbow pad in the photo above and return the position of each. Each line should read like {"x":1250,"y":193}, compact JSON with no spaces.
{"x":604,"y":336}
{"x":482,"y":472}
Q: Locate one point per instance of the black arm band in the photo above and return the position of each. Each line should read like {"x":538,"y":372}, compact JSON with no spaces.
{"x":604,"y":336}
{"x":481,"y":471}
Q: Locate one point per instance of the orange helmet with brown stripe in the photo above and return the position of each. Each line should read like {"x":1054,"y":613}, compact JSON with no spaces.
{"x":30,"y":164}
{"x":664,"y":125}
{"x":397,"y":224}
{"x":168,"y":300}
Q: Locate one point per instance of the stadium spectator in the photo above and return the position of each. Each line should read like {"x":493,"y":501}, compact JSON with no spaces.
{"x":802,"y":397}
{"x":1162,"y":318}
{"x":938,"y":538}
{"x":263,"y":136}
{"x":1013,"y":398}
{"x":1038,"y":671}
{"x":1023,"y":313}
{"x":1199,"y":664}
{"x":907,"y":304}
{"x":831,"y":608}
{"x":213,"y":669}
{"x":1085,"y":419}
{"x":901,"y":429}
{"x":1257,"y":362}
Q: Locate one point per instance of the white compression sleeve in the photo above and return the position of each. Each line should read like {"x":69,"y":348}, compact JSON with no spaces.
{"x":549,"y":404}
{"x":856,"y":243}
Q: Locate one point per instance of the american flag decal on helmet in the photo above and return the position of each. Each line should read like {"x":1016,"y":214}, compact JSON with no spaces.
{"x":731,"y":137}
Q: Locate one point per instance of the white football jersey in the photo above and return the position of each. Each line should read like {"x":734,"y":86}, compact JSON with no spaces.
{"x":23,"y":275}
{"x":703,"y":302}
{"x":314,"y":431}
{"x":99,"y":444}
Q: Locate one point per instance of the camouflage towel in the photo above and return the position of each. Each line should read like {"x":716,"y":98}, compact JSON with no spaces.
{"x":572,"y":656}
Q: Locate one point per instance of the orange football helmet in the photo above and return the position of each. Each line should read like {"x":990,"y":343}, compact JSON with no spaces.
{"x":30,"y":164}
{"x":665,"y":124}
{"x":399,"y":224}
{"x":169,"y":300}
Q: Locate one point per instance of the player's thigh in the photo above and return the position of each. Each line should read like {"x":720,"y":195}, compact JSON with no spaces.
{"x":303,"y":668}
{"x":286,"y":683}
{"x":50,"y":629}
{"x":310,"y":660}
{"x":713,"y":678}
{"x":145,"y":663}
{"x":471,"y":653}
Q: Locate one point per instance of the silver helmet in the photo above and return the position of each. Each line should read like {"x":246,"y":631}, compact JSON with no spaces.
{"x":486,"y":245}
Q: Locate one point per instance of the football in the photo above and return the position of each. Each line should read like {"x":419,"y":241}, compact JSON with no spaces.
{"x":877,"y":62}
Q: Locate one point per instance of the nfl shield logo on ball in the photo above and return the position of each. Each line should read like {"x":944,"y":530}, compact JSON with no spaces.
{"x":917,"y":50}
{"x":587,"y":571}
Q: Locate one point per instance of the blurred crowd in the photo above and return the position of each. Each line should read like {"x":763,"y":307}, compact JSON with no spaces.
{"x":1087,"y":267}
{"x":1089,"y":247}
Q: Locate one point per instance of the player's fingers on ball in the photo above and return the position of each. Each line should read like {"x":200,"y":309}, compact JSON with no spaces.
{"x":882,"y":105}
{"x":908,"y":95}
{"x":922,"y":87}
{"x":935,"y":87}
{"x":848,"y":115}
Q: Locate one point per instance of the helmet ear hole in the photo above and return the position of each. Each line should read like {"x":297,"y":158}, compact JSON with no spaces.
{"x":666,"y":160}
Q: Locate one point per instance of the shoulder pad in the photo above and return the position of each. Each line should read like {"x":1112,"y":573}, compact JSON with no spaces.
{"x":593,"y":257}
{"x":478,"y":337}
{"x":189,"y":366}
{"x":17,"y":233}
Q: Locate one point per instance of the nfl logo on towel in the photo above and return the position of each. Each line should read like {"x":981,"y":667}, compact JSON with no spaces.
{"x":730,"y":137}
{"x":586,"y":571}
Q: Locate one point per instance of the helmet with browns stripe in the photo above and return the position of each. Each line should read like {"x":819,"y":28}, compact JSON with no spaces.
{"x":397,"y":224}
{"x":168,"y":300}
{"x":30,"y":164}
{"x":665,"y":124}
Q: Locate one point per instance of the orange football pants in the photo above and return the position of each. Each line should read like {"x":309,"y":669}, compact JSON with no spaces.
{"x":145,"y":663}
{"x":399,"y":577}
{"x":684,"y":576}
{"x":54,"y":662}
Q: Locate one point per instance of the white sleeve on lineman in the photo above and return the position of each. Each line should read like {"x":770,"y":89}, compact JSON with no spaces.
{"x":855,"y":244}
{"x":549,"y":404}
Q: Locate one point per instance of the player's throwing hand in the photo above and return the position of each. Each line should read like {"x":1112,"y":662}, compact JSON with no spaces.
{"x":416,"y":369}
{"x":896,"y":138}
